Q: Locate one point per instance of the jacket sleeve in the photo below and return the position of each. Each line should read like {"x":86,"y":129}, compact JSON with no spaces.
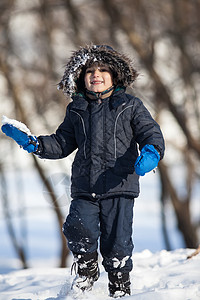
{"x":146,"y":129}
{"x":61,"y":143}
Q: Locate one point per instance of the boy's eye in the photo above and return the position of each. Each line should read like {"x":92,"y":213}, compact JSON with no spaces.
{"x":88,"y":71}
{"x":103,"y":70}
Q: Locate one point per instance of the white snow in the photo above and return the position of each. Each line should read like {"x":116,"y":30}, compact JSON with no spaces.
{"x":157,"y":276}
{"x":21,"y":126}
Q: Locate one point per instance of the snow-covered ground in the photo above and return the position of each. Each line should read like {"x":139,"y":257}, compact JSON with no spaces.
{"x":156,"y":276}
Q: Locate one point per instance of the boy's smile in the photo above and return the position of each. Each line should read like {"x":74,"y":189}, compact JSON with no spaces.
{"x":98,"y":79}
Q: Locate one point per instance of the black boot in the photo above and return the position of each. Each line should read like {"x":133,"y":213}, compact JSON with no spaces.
{"x":119,"y":284}
{"x":87,"y":271}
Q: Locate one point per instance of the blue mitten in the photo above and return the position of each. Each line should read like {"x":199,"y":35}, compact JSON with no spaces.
{"x":147,"y":161}
{"x":20,"y":133}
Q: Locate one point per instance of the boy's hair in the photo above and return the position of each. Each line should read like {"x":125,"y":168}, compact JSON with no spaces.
{"x":121,"y":67}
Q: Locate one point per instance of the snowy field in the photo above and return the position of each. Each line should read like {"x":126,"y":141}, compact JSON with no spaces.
{"x":159,"y":276}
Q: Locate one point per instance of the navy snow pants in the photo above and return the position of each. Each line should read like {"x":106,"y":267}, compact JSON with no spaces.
{"x":110,"y":219}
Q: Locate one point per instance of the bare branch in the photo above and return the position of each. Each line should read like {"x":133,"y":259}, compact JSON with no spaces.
{"x":196,"y":252}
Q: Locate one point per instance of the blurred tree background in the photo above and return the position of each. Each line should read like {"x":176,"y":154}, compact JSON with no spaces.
{"x":162,"y":37}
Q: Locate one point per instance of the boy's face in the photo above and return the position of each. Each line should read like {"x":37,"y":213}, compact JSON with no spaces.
{"x":98,"y":79}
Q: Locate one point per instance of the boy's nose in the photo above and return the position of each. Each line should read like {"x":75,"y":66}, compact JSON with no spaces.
{"x":96,"y":73}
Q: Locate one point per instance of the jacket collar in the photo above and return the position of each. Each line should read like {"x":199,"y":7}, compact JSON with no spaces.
{"x":103,"y":95}
{"x":79,"y":102}
{"x":118,"y":97}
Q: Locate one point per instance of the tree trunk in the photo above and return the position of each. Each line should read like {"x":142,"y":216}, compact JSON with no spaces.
{"x":181,"y":209}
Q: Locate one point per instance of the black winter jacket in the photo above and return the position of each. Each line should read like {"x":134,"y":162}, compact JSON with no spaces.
{"x":106,"y":135}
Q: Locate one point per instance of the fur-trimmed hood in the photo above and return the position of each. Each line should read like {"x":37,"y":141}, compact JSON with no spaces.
{"x":73,"y":79}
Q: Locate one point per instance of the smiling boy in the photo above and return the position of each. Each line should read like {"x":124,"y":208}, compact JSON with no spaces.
{"x":106,"y":126}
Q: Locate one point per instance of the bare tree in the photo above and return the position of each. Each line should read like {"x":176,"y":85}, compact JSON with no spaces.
{"x":37,"y":38}
{"x":17,"y":245}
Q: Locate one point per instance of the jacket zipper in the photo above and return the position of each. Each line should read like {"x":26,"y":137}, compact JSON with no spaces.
{"x":104,"y":146}
{"x":84,"y":145}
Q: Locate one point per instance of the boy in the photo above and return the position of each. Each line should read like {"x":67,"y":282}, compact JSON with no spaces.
{"x":105,"y":124}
